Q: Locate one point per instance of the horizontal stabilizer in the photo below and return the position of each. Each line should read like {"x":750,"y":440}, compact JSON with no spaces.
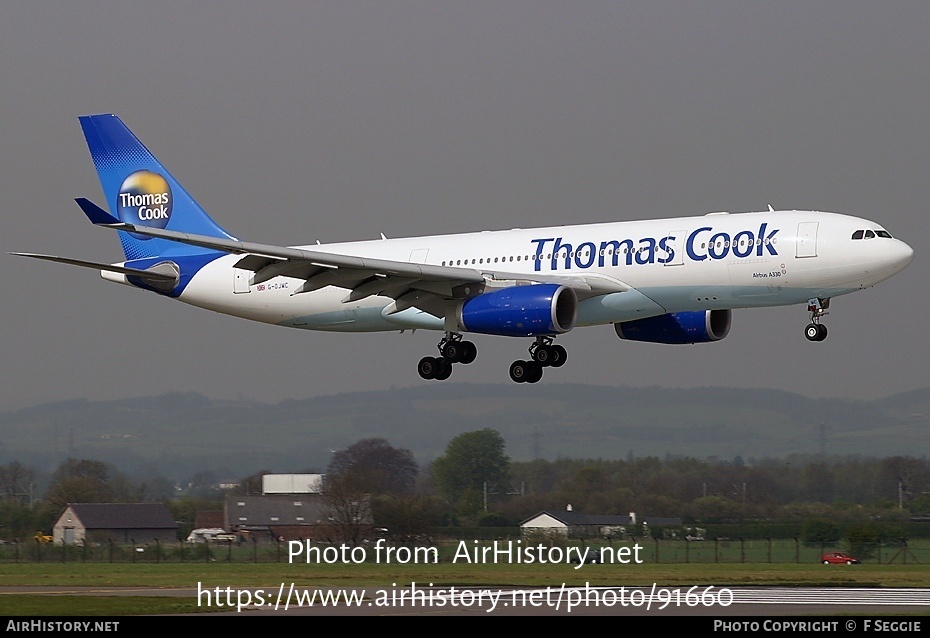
{"x":96,"y":214}
{"x":150,"y":275}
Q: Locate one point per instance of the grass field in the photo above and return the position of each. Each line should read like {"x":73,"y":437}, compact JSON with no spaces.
{"x":370,"y":574}
{"x":74,"y":600}
{"x":84,"y":576}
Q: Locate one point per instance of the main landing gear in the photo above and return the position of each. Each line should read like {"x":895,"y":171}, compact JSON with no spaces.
{"x":453,"y":350}
{"x":816,"y":331}
{"x":544,"y":354}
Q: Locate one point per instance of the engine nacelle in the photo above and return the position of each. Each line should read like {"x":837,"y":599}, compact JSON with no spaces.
{"x":522,"y":311}
{"x":678,"y":327}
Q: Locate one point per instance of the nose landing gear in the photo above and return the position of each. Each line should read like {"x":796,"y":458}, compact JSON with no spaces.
{"x":816,"y":331}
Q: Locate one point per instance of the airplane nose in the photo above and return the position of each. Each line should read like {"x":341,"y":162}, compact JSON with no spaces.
{"x":904,"y":254}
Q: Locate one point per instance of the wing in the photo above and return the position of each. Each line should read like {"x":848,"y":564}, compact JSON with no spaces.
{"x":424,"y":286}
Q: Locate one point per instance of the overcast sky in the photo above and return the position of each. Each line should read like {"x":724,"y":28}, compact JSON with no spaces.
{"x":297,"y":121}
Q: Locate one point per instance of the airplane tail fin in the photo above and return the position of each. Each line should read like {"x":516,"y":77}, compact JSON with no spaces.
{"x":141,"y":192}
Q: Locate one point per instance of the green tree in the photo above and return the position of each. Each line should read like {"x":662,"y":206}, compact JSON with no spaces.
{"x":820,"y":532}
{"x":81,"y":481}
{"x":17,"y":521}
{"x":367,"y":468}
{"x":472,"y":460}
{"x":863,"y":540}
{"x":16,"y":482}
{"x":408,"y":518}
{"x":348,"y":510}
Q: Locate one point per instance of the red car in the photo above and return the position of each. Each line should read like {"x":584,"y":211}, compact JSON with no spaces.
{"x":839,"y":558}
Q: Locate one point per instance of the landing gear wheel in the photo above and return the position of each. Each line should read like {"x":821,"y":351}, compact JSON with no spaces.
{"x":453,"y":351}
{"x":815,"y":332}
{"x":469,"y":352}
{"x":428,"y":367}
{"x":559,"y":356}
{"x":812,"y":332}
{"x":444,"y":371}
{"x":534,"y":373}
{"x":543,"y":355}
{"x":525,"y":371}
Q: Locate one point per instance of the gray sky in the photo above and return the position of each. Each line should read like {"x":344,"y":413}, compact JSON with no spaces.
{"x":302,"y":120}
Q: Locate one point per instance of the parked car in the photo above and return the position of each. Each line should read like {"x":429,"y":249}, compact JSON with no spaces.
{"x":588,"y":556}
{"x":839,"y":558}
{"x":207,"y":534}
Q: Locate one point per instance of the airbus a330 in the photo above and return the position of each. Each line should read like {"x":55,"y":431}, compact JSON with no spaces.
{"x":671,"y":281}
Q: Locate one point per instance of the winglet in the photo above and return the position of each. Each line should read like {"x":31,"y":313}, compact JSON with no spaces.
{"x":97,"y":215}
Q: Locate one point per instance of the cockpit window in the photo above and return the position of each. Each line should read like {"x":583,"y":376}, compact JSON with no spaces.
{"x":869,"y":234}
{"x":858,"y":234}
{"x":884,"y":233}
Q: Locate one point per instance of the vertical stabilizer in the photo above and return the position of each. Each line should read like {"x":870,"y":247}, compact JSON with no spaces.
{"x":140,"y":191}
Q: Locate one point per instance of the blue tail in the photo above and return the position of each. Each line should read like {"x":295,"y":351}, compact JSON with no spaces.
{"x":141,"y":192}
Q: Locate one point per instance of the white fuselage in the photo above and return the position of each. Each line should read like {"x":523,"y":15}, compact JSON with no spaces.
{"x":715,"y":261}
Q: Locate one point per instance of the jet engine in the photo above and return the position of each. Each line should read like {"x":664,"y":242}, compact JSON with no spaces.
{"x":678,"y":327}
{"x":522,"y":311}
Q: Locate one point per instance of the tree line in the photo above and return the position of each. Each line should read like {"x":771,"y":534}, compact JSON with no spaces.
{"x":475,"y":483}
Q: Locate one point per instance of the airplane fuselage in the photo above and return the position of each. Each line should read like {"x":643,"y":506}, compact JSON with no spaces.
{"x":716,"y":261}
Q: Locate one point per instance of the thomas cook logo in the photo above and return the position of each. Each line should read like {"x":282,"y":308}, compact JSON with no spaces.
{"x":144,"y":199}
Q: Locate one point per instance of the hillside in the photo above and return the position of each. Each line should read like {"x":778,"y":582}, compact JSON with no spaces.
{"x":184,"y":433}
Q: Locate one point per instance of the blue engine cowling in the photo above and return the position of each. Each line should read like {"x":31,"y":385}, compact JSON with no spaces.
{"x":522,"y":311}
{"x":678,"y":327}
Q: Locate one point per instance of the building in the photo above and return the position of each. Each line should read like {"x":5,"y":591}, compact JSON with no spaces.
{"x":292,"y":483}
{"x":578,"y":525}
{"x":140,"y":523}
{"x":292,"y":517}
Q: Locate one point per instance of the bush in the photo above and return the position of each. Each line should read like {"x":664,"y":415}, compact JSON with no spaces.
{"x":820,"y":532}
{"x":863,"y":540}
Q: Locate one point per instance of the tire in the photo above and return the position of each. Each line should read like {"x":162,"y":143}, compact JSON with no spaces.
{"x":543,"y":355}
{"x":812,"y":332}
{"x":518,"y":371}
{"x":560,"y":356}
{"x":427,"y":367}
{"x":453,"y":351}
{"x":444,"y":371}
{"x":534,"y":372}
{"x":826,"y":562}
{"x":469,"y":352}
{"x":849,"y":562}
{"x":822,"y":332}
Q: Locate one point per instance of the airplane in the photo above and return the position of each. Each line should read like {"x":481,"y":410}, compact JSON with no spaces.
{"x":668,"y":281}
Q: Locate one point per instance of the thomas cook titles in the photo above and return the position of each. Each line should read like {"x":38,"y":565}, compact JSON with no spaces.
{"x":514,"y":552}
{"x":144,"y":202}
{"x":144,"y":198}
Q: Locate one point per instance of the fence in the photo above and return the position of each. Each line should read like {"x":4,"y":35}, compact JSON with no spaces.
{"x":722,"y":550}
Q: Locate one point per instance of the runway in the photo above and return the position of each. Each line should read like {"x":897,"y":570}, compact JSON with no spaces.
{"x":548,"y":601}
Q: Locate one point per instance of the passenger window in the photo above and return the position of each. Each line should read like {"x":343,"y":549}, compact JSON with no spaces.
{"x":858,"y":234}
